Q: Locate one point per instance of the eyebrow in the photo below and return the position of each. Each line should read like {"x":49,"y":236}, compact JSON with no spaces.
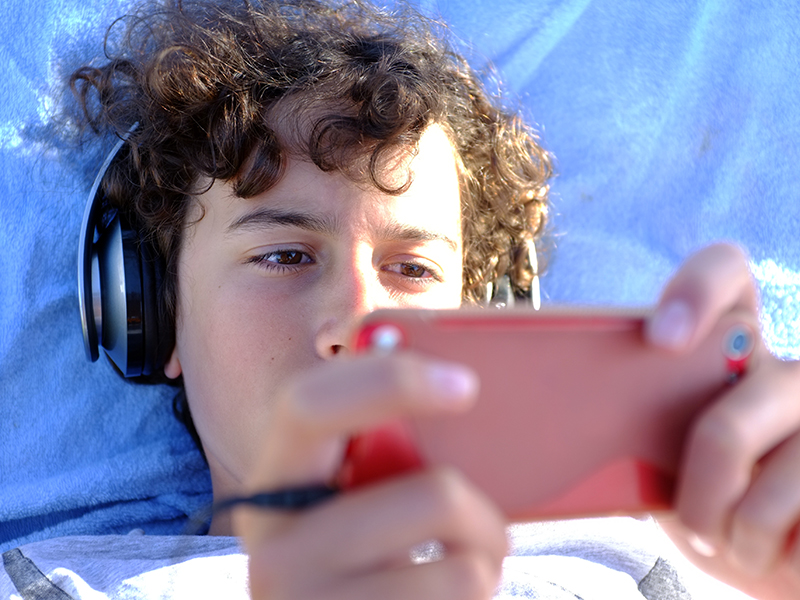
{"x":269,"y":217}
{"x":397,"y":231}
{"x":265,"y":218}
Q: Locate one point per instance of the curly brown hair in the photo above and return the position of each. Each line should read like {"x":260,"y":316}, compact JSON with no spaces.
{"x":206,"y":81}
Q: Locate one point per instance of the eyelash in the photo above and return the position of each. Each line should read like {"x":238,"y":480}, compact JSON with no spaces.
{"x":262,"y":261}
{"x":432,"y":273}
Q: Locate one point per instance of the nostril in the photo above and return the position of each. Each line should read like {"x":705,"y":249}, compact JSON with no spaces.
{"x":337,"y":349}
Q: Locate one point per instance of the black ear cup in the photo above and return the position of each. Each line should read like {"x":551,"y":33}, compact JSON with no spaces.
{"x":119,"y":281}
{"x":119,"y":329}
{"x":151,"y":270}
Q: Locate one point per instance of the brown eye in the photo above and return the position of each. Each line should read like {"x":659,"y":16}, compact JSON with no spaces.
{"x":282,"y":261}
{"x":287,"y":257}
{"x":412,"y":270}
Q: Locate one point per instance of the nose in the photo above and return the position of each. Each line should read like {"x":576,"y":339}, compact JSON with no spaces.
{"x":352,"y":291}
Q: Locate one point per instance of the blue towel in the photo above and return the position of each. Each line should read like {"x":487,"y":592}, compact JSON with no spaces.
{"x":81,"y":451}
{"x":673,"y":123}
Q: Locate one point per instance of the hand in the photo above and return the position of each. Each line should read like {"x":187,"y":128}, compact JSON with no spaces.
{"x":357,"y":544}
{"x":738,"y":500}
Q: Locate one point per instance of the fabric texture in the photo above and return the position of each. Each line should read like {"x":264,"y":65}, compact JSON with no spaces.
{"x":673,"y":124}
{"x":28,"y":580}
{"x":663,"y":582}
{"x":134,"y":567}
{"x":591,"y":559}
{"x":597,"y":559}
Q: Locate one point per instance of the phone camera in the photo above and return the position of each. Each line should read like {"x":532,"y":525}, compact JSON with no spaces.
{"x":738,"y":343}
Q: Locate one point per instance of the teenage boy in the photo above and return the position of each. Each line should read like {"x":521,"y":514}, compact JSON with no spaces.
{"x":298,"y":164}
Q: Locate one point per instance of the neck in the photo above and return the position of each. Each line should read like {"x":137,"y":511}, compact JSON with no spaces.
{"x":224,"y":486}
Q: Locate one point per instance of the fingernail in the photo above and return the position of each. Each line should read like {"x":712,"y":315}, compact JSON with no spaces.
{"x":672,"y":325}
{"x":452,"y":383}
{"x":702,"y":546}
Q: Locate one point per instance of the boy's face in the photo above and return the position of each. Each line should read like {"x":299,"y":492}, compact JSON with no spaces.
{"x":271,"y":286}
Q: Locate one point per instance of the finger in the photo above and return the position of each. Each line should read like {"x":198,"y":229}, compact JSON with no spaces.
{"x":313,"y":417}
{"x":709,"y":284}
{"x":459,"y":576}
{"x":385,"y":521}
{"x":727,"y":441}
{"x":769,"y":512}
{"x":326,"y":401}
{"x":365,"y":532}
{"x":378,"y":523}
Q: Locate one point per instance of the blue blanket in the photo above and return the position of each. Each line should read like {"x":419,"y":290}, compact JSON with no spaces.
{"x":674,"y":124}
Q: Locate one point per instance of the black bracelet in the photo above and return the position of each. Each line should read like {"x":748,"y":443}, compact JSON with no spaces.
{"x":288,"y":499}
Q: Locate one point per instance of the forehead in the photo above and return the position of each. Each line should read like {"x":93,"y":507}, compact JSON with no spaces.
{"x":432,"y":195}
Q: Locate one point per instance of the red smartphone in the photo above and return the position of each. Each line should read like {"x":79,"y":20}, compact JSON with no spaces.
{"x":576,"y":416}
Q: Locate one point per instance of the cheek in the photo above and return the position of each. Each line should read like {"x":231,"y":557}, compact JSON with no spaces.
{"x":237,"y":347}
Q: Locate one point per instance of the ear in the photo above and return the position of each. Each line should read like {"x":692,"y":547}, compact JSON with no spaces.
{"x":172,"y":368}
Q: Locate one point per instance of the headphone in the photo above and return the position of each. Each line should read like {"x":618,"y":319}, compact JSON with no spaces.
{"x":119,"y":283}
{"x":500,"y":294}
